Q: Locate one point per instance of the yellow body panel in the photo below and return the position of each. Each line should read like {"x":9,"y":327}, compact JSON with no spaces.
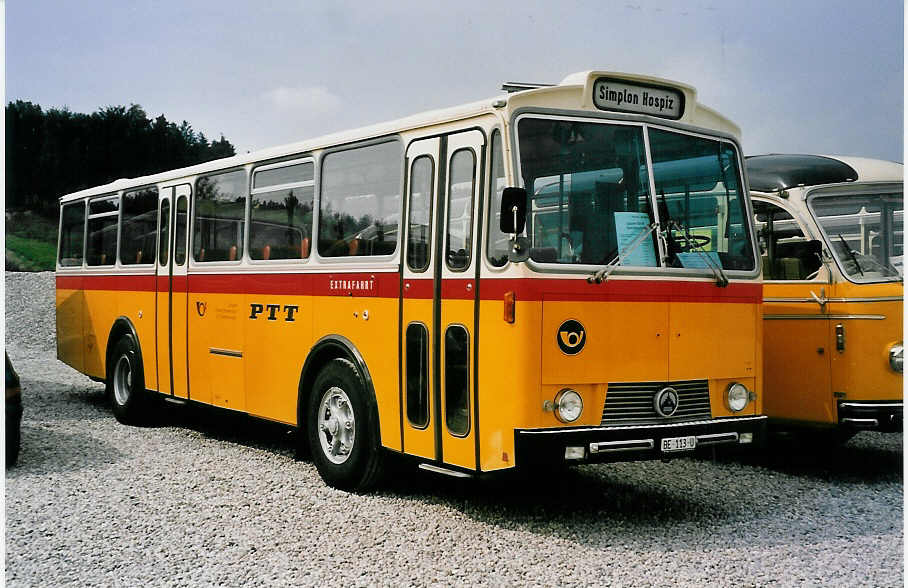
{"x":70,"y":305}
{"x":804,"y":371}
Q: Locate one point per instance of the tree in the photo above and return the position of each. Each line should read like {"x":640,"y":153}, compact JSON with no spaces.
{"x":51,"y":153}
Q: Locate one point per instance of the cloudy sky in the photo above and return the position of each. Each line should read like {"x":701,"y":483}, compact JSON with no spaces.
{"x":796,"y":75}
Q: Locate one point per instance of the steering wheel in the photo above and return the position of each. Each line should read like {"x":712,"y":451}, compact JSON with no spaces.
{"x":693,"y":242}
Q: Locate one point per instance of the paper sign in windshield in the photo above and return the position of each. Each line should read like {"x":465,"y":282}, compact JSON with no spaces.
{"x":697,"y":260}
{"x":629,"y":226}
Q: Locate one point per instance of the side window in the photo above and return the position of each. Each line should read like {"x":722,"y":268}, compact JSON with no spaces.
{"x":220,"y":210}
{"x":103,"y":214}
{"x":787,"y":253}
{"x":498,"y":242}
{"x":419,"y":222}
{"x":138,"y":232}
{"x":457,"y":380}
{"x":418,"y":374}
{"x":72,"y":234}
{"x":165,"y":231}
{"x":179,"y":248}
{"x":360,"y":201}
{"x":281,"y":212}
{"x":459,"y":240}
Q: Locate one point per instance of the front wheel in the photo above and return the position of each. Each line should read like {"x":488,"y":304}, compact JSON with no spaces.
{"x":342,"y":428}
{"x":126,"y":383}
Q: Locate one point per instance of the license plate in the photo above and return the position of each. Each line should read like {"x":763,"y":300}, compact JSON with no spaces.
{"x":678,"y":444}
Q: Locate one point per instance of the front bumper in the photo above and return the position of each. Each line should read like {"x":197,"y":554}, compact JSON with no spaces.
{"x":632,"y":442}
{"x":872,"y":416}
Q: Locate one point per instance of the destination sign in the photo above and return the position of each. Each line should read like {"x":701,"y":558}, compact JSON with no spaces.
{"x":624,"y":97}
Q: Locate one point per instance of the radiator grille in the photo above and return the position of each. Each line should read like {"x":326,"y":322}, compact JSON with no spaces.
{"x":633,"y":401}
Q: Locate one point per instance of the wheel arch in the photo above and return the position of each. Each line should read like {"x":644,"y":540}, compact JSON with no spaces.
{"x":325,"y":349}
{"x":122,"y":326}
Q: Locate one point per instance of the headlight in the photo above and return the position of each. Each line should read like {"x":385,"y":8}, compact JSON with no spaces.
{"x":736,"y":397}
{"x":896,"y":353}
{"x":568,"y":406}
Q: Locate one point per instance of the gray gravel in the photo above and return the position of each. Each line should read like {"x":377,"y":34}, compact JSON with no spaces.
{"x":200,"y":500}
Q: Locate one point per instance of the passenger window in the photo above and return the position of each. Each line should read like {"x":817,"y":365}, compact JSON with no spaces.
{"x":457,"y":380}
{"x":459,"y":240}
{"x":138,"y":234}
{"x":103,"y":214}
{"x":418,"y":375}
{"x":220,"y":210}
{"x":281,"y":212}
{"x":787,"y":253}
{"x":499,"y":243}
{"x":419,"y":225}
{"x":72,"y":234}
{"x":359,"y":204}
{"x":165,"y":231}
{"x":179,"y":246}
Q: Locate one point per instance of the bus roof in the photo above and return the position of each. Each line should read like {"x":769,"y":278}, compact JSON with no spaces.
{"x":574,"y":92}
{"x":776,"y":172}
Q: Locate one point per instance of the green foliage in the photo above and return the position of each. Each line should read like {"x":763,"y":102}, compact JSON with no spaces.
{"x":54,"y":152}
{"x":29,"y":255}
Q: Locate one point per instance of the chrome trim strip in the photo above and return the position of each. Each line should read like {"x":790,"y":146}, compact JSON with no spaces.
{"x":825,"y":317}
{"x":842,"y":300}
{"x":226,"y":352}
{"x":867,"y":422}
{"x":562,"y":430}
{"x":870,"y":405}
{"x":629,"y":445}
{"x":440,"y":470}
{"x":715,"y":438}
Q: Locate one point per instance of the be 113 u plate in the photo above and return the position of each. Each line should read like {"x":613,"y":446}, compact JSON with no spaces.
{"x":671,"y":444}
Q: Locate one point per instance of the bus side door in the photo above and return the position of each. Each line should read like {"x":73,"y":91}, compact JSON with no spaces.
{"x":438,"y":332}
{"x":172,"y":290}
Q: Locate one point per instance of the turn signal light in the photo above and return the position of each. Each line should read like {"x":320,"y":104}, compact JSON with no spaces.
{"x":509,"y":304}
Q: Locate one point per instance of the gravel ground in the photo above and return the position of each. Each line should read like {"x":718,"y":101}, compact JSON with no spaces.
{"x":199,"y":500}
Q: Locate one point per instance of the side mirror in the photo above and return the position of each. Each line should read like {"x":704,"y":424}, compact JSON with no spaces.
{"x":513,"y":210}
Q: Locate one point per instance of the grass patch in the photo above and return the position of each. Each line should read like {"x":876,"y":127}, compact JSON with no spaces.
{"x":31,"y":242}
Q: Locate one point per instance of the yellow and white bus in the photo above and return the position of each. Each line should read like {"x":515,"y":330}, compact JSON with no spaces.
{"x":832,"y":237}
{"x":560,"y":274}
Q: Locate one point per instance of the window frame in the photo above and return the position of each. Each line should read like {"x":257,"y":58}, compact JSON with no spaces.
{"x":157,"y":210}
{"x":89,"y":216}
{"x":194,"y":192}
{"x":297,"y":160}
{"x":59,"y":258}
{"x":319,"y":197}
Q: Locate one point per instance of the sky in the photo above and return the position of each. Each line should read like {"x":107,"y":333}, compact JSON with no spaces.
{"x":795,"y":75}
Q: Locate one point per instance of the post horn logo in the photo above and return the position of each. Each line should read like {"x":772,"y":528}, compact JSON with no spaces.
{"x":201,"y":307}
{"x":666,"y":402}
{"x":571,"y":337}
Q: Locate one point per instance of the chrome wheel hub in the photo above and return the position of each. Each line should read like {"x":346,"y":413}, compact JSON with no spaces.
{"x":336,"y":425}
{"x":122,"y":380}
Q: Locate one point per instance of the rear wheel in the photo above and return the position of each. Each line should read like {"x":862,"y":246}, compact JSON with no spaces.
{"x":342,"y":428}
{"x":126,"y":383}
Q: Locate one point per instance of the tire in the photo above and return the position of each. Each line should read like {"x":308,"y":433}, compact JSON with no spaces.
{"x":126,"y":383}
{"x":342,"y":428}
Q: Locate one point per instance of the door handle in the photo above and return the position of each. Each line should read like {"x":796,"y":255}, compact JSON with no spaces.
{"x":821,"y":299}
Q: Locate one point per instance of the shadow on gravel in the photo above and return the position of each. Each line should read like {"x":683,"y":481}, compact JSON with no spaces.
{"x":855,"y":462}
{"x":572,"y":497}
{"x":230,"y":427}
{"x":47,"y":450}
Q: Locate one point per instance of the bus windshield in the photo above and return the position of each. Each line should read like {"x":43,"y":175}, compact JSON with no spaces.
{"x":864,"y":232}
{"x":591,"y":201}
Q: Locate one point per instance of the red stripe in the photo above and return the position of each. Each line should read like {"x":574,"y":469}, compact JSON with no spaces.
{"x":387,"y":285}
{"x":621,"y":290}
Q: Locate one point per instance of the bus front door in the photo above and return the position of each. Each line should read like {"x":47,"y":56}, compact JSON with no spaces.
{"x":438,"y":330}
{"x":172,"y":285}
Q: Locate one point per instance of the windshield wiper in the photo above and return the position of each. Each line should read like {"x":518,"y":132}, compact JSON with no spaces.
{"x":721,"y":278}
{"x":602,"y":275}
{"x":854,"y":257}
